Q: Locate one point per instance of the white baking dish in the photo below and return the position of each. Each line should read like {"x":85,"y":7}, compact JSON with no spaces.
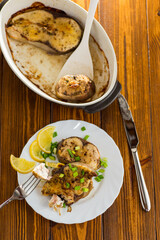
{"x":97,"y":32}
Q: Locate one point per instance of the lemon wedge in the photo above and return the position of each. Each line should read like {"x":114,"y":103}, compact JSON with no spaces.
{"x":35,"y":152}
{"x":21,"y":165}
{"x":44,"y":138}
{"x":54,"y":165}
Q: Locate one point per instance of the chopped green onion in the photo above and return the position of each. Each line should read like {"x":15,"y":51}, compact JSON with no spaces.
{"x":86,"y":137}
{"x":52,"y":157}
{"x":97,"y":179}
{"x":82,"y":180}
{"x":67,"y":185}
{"x":64,"y":205}
{"x":82,"y":172}
{"x":104,"y":159}
{"x":77,"y":148}
{"x":46,"y":165}
{"x":77,"y":158}
{"x":45,"y":155}
{"x":55,"y":134}
{"x":55,"y":150}
{"x":53,"y":146}
{"x":70,"y":153}
{"x":73,"y":152}
{"x":70,"y":166}
{"x":77,"y":187}
{"x":101,"y":171}
{"x":74,"y":169}
{"x":101,"y":176}
{"x":85,"y":189}
{"x":97,"y":173}
{"x":104,"y":162}
{"x":61,"y":175}
{"x":83,"y":128}
{"x":75,"y":174}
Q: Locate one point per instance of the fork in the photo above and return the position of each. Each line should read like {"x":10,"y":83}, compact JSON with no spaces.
{"x":23,"y":190}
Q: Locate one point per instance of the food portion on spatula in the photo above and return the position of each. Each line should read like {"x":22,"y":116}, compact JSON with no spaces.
{"x":79,"y":66}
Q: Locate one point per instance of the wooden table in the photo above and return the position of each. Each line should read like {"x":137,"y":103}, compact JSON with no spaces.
{"x":134,"y":29}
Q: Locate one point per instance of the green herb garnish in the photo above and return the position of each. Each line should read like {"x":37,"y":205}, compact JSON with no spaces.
{"x":82,"y":172}
{"x":45,"y":155}
{"x":77,"y":148}
{"x":55,"y":134}
{"x":53,"y":146}
{"x":77,"y":158}
{"x":74,"y":169}
{"x":101,"y":171}
{"x":46,"y":165}
{"x":82,"y":180}
{"x":104,"y":162}
{"x":101,"y":176}
{"x":77,"y":187}
{"x":55,"y":150}
{"x":61,"y":175}
{"x":70,"y":153}
{"x":85,"y":189}
{"x":70,"y":166}
{"x":86,"y":137}
{"x":83,"y":128}
{"x":97,"y":179}
{"x":73,"y":152}
{"x":64,"y":205}
{"x":52,"y":157}
{"x":75,"y":174}
{"x":67,"y":185}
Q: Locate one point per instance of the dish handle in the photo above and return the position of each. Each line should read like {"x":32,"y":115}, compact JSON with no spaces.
{"x":106,"y":101}
{"x":3,"y":3}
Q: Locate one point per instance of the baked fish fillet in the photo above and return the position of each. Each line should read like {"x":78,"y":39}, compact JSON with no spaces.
{"x":44,"y":27}
{"x":71,"y":182}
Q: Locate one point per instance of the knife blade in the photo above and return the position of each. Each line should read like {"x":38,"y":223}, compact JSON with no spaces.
{"x":128,"y":122}
{"x":133,"y":141}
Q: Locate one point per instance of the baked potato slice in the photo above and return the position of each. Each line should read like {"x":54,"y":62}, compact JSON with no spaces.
{"x":46,"y":28}
{"x":87,"y":153}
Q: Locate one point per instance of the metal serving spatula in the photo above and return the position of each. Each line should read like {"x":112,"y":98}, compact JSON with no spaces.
{"x":133,"y":141}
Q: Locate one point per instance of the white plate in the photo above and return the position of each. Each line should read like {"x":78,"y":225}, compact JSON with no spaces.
{"x":103,"y":194}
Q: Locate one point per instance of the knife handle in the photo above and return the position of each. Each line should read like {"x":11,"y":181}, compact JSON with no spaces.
{"x":143,"y":192}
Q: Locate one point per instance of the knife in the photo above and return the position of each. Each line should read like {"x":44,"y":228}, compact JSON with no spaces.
{"x":133,"y":141}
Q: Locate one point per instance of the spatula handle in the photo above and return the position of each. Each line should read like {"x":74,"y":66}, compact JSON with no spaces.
{"x":143,"y":192}
{"x":89,"y":21}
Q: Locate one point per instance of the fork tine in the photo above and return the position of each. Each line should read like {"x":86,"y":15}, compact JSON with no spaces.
{"x":30,"y":184}
{"x":32,"y":187}
{"x":28,"y":181}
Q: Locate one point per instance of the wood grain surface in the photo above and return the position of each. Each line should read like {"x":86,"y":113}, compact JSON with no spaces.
{"x":134,"y":29}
